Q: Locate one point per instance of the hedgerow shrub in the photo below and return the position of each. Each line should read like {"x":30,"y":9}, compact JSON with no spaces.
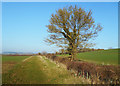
{"x":103,"y":74}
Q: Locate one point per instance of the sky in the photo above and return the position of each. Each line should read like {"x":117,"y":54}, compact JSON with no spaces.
{"x":24,"y":24}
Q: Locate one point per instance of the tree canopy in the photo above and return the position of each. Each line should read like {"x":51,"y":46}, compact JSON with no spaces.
{"x":72,"y":28}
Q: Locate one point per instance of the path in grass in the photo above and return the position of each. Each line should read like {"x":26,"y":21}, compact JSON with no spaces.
{"x":39,"y":70}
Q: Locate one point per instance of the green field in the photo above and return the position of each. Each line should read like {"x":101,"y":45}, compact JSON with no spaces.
{"x":100,"y":57}
{"x":6,"y":58}
{"x":8,"y":62}
{"x":39,"y":70}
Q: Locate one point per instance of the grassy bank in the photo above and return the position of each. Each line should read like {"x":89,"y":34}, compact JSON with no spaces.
{"x":39,"y":70}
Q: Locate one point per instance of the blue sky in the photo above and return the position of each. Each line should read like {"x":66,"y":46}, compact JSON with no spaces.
{"x":24,"y":24}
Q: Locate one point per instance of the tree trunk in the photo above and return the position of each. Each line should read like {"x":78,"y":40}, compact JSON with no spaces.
{"x":73,"y":52}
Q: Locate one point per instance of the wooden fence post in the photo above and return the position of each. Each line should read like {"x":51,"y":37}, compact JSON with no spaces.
{"x":83,"y":74}
{"x":87,"y":75}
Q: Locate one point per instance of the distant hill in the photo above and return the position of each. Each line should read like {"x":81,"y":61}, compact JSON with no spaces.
{"x":13,"y":53}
